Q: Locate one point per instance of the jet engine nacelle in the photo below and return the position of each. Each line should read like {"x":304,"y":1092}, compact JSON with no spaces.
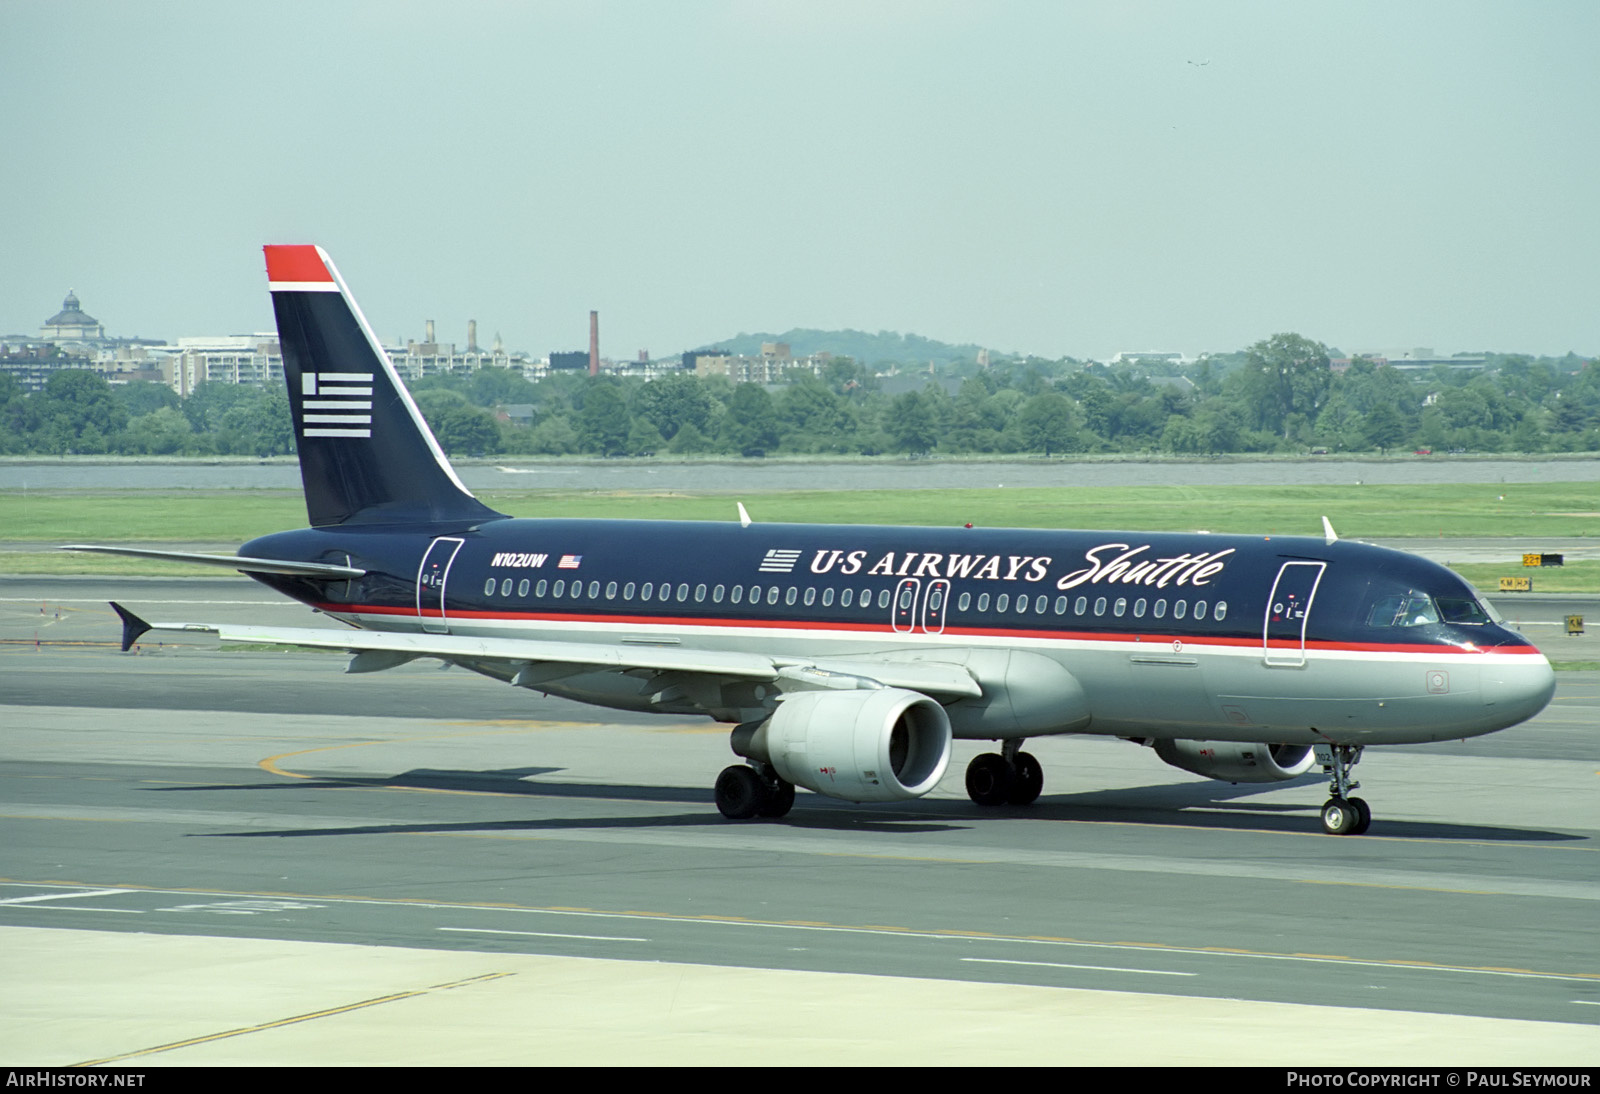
{"x":873,"y":745}
{"x":1233,"y":762}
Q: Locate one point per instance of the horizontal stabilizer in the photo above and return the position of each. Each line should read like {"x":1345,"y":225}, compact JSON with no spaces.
{"x":242,"y":563}
{"x":133,"y":628}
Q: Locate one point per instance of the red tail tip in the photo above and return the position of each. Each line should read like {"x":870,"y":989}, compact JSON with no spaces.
{"x":295,"y":262}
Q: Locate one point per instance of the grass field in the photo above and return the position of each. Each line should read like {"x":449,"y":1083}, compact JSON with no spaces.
{"x":227,"y":518}
{"x":1456,"y":510}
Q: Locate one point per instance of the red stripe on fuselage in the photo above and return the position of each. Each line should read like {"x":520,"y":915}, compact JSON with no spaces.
{"x":1149,"y":640}
{"x":297,"y":262}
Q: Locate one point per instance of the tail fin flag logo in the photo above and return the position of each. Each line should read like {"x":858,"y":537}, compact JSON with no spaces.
{"x":347,"y":395}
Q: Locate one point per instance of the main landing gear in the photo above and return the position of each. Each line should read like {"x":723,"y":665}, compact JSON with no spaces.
{"x":1343,"y":815}
{"x":1007,"y":777}
{"x":753,"y":790}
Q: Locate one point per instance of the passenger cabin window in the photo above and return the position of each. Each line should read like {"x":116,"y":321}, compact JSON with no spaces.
{"x":488,"y":587}
{"x":522,"y":587}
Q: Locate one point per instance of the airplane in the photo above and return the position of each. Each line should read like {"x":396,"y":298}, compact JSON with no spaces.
{"x":848,"y":658}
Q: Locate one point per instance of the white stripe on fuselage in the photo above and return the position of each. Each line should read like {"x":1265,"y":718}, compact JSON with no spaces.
{"x":794,"y":639}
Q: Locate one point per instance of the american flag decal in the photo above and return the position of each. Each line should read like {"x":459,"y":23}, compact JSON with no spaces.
{"x":779,"y":562}
{"x":569,"y":562}
{"x":336,"y":404}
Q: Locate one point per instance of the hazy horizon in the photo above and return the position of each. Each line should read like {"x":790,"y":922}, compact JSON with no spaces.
{"x":1031,"y":177}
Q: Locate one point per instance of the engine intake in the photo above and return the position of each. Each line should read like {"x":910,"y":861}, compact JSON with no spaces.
{"x":1231,"y":761}
{"x":874,"y":745}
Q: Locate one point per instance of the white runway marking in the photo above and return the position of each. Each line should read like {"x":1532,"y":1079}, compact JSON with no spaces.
{"x":71,"y":894}
{"x":546,"y":934}
{"x":1089,"y":968}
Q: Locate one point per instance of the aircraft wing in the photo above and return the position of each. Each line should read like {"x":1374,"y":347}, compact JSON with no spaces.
{"x":531,"y":661}
{"x":242,"y":563}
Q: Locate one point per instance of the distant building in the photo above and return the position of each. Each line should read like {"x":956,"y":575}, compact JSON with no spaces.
{"x":32,"y":365}
{"x":691,"y":357}
{"x":569,"y":359}
{"x":70,"y":324}
{"x":224,"y":359}
{"x":1157,"y":357}
{"x":757,"y":370}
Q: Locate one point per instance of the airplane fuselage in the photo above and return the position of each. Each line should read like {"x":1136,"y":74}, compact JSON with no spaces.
{"x":1291,"y":640}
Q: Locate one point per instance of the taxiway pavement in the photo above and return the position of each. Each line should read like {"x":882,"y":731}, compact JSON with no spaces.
{"x":249,"y":857}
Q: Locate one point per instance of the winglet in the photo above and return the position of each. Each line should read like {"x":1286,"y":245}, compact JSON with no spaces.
{"x":1328,"y":534}
{"x":132,"y":626}
{"x":744,"y":517}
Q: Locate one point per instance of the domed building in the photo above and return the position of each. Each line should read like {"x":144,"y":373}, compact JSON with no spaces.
{"x":72,"y":324}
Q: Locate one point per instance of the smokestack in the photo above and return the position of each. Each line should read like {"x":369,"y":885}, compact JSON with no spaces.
{"x":472,"y":336}
{"x":594,"y":343}
{"x":427,"y":329}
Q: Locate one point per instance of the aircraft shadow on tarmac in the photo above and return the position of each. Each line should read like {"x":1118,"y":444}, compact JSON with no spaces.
{"x":1207,"y":805}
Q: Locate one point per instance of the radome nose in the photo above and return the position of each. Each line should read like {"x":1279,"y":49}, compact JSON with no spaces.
{"x":1518,"y":690}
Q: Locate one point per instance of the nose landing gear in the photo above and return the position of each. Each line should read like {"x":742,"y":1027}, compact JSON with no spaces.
{"x":1343,"y":815}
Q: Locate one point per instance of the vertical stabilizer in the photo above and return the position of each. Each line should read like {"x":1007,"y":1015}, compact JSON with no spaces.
{"x":366,"y":454}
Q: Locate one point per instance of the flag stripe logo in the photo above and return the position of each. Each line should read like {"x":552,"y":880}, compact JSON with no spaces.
{"x":779,"y":562}
{"x":347,"y":393}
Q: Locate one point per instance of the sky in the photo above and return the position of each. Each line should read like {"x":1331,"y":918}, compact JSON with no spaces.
{"x":1060,"y":179}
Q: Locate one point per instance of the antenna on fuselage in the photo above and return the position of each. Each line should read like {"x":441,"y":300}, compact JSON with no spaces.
{"x":1328,"y":534}
{"x":744,"y":517}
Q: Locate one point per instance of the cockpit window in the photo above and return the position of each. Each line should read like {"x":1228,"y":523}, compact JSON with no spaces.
{"x":1411,"y":609}
{"x":1487,"y":608}
{"x":1461,"y":610}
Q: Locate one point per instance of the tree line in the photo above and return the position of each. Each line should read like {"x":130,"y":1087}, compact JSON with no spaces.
{"x":1280,"y":395}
